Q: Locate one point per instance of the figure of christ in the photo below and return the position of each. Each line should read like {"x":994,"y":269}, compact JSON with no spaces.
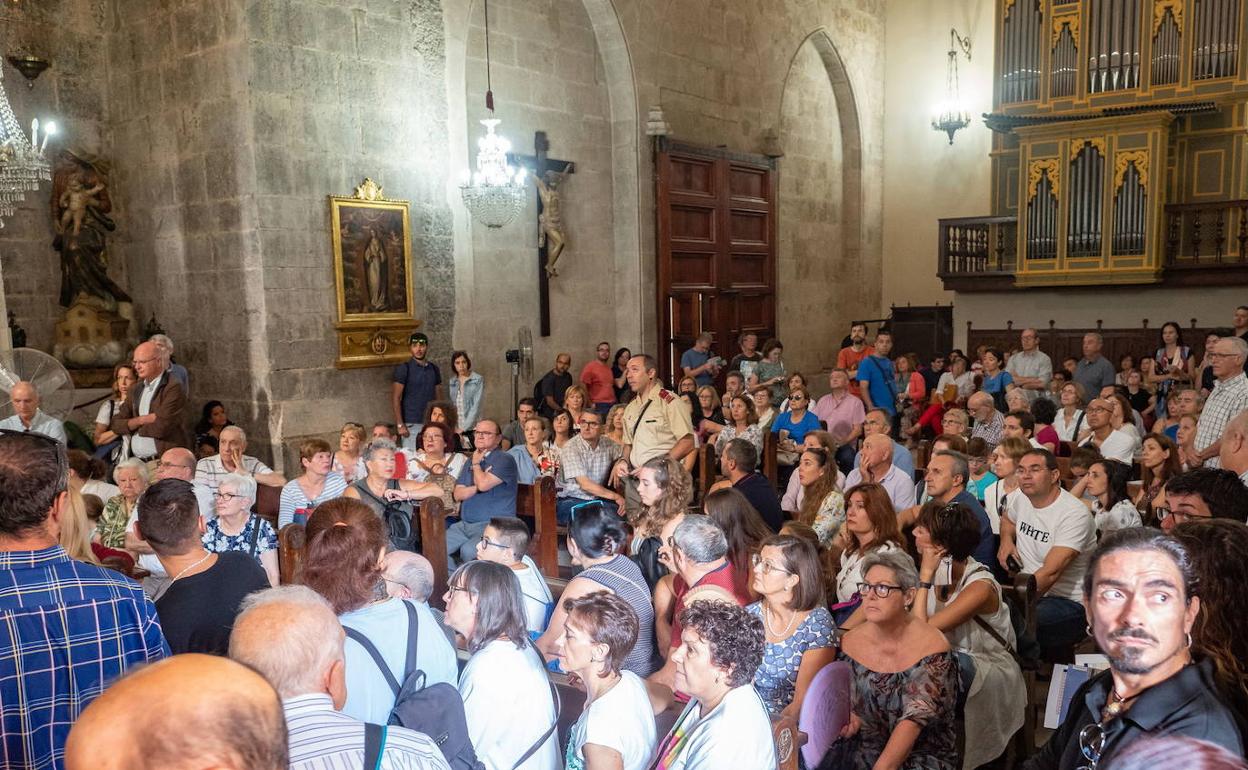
{"x":550,"y":234}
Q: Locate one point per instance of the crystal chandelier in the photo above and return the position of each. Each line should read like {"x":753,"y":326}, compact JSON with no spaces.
{"x":950,"y":116}
{"x":22,"y":162}
{"x":496,"y":192}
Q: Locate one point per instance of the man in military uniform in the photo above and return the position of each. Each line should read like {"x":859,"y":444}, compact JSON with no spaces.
{"x":656,"y":422}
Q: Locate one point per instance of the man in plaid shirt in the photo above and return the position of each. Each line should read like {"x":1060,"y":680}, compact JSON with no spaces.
{"x":67,"y":628}
{"x":1229,"y":397}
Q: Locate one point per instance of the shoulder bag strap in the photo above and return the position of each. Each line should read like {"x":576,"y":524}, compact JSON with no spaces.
{"x":644,"y":407}
{"x":373,"y":652}
{"x":374,"y":745}
{"x":554,"y":692}
{"x":993,"y":632}
{"x":413,"y":638}
{"x":255,"y":535}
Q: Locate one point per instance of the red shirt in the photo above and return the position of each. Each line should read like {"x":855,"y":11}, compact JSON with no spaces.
{"x":597,"y":379}
{"x":721,"y":577}
{"x":848,"y":359}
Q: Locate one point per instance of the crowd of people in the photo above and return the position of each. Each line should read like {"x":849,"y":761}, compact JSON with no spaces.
{"x":907,"y":498}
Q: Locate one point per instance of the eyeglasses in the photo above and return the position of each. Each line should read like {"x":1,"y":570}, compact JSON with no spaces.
{"x":583,"y":421}
{"x":450,"y":590}
{"x":766,"y":567}
{"x":1091,"y":743}
{"x":881,"y":590}
{"x":486,"y":543}
{"x":145,"y":360}
{"x":224,"y":495}
{"x":485,"y":433}
{"x":1179,"y":517}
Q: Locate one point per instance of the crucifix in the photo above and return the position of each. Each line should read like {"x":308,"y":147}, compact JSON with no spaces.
{"x":548,"y":174}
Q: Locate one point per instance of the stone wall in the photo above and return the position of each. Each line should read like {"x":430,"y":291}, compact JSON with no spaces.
{"x":72,"y":34}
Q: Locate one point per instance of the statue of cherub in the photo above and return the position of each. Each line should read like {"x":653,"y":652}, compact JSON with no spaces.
{"x":550,"y":233}
{"x":74,"y":202}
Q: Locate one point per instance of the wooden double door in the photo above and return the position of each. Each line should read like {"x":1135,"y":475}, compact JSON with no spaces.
{"x":716,"y":249}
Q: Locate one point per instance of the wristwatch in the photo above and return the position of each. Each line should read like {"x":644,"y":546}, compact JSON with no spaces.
{"x":925,"y":584}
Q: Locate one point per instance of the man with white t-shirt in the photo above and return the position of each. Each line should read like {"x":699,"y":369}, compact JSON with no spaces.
{"x":1047,"y":532}
{"x":1113,"y":444}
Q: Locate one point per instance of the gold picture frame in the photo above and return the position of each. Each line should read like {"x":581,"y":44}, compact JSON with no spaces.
{"x":372,"y":252}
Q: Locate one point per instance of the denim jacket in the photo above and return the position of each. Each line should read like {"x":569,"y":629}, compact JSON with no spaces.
{"x":474,"y":387}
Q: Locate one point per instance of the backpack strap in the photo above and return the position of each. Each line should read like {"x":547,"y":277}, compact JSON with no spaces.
{"x":374,"y":745}
{"x":373,"y":652}
{"x":413,"y":639}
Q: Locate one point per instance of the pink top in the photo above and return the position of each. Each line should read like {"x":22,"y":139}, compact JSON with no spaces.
{"x":841,"y":415}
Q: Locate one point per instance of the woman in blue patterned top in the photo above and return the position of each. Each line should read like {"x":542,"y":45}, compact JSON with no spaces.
{"x":800,"y":633}
{"x":236,"y":528}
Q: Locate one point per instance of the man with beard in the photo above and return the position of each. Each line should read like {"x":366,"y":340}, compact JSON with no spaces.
{"x":1141,"y":607}
{"x":852,"y":354}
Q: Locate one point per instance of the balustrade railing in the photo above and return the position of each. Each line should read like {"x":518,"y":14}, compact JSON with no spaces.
{"x":971,"y":246}
{"x":1211,"y":234}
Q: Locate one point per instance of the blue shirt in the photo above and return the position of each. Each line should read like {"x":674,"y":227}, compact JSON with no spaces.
{"x":692,"y":359}
{"x":997,"y":383}
{"x":499,"y":500}
{"x":420,"y":383}
{"x":67,"y":630}
{"x":876,"y":374}
{"x":797,"y":430}
{"x":986,"y":551}
{"x":369,"y":697}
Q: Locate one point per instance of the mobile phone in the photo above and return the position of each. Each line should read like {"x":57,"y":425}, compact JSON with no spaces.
{"x":1013,"y":564}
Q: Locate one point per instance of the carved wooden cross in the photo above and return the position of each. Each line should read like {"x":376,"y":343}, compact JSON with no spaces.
{"x":539,"y":163}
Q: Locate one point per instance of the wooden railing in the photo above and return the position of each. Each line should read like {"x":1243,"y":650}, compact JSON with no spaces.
{"x":971,"y":246}
{"x":1202,"y":235}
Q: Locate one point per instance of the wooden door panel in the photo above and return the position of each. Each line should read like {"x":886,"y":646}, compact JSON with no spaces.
{"x":716,"y":247}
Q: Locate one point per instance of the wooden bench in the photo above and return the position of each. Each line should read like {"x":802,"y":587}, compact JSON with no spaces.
{"x":768,"y":462}
{"x":268,"y":499}
{"x":706,"y":468}
{"x":292,"y":549}
{"x":537,"y":502}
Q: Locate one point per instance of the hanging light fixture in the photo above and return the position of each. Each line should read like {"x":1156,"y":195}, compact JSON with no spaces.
{"x":952,"y":116}
{"x":22,"y":162}
{"x":495,"y":193}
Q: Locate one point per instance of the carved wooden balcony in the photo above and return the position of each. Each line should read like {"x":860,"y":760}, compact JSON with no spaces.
{"x":978,"y":253}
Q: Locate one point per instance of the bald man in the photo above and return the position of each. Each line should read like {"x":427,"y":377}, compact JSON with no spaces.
{"x":989,"y":423}
{"x":409,"y":576}
{"x":188,"y":712}
{"x":1233,"y":450}
{"x":875,"y":466}
{"x":28,"y":417}
{"x":292,"y":637}
{"x":1113,"y":444}
{"x":154,"y":412}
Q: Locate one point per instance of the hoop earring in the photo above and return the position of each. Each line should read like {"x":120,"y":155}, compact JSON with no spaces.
{"x":1088,"y":629}
{"x":1189,"y":640}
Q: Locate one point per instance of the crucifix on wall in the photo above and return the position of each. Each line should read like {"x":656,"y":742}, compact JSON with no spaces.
{"x":548,"y":175}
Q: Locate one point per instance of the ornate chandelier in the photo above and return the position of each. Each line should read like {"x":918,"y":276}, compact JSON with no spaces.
{"x":496,"y":192}
{"x":22,"y":161}
{"x":950,"y":117}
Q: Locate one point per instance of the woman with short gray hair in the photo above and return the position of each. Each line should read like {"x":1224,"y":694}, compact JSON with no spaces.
{"x":379,"y":489}
{"x":905,"y":680}
{"x":132,"y":478}
{"x":236,"y":528}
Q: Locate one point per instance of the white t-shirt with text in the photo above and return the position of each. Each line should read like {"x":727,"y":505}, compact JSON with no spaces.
{"x":1065,"y":523}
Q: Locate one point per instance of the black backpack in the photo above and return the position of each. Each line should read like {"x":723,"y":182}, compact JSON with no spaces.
{"x":436,"y":710}
{"x":397,"y":516}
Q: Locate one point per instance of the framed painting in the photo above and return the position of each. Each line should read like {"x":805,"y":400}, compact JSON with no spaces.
{"x":372,"y":254}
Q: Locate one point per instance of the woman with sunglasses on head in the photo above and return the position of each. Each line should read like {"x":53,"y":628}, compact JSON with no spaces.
{"x":799,"y":631}
{"x":870,"y":527}
{"x":959,"y":596}
{"x":905,"y":679}
{"x":507,"y":697}
{"x":1106,"y":483}
{"x":596,"y":542}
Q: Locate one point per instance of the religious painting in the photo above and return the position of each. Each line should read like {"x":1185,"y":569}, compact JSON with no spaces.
{"x":372,"y":255}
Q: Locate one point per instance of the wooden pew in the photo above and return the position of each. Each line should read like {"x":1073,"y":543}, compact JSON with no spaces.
{"x":267,"y":501}
{"x":430,"y":517}
{"x":537,"y":501}
{"x":768,"y":460}
{"x":706,"y":469}
{"x":292,"y":548}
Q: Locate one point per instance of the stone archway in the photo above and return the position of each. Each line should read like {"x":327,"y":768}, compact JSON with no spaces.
{"x":820,"y":253}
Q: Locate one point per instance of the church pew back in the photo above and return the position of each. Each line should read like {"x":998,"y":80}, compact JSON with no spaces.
{"x":292,"y":547}
{"x":537,"y":502}
{"x":430,"y":517}
{"x":768,"y":460}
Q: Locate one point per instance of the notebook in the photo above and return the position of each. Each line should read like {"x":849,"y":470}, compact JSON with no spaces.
{"x":1066,"y":680}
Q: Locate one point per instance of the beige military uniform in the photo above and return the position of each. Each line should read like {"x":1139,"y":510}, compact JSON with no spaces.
{"x":654,"y":424}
